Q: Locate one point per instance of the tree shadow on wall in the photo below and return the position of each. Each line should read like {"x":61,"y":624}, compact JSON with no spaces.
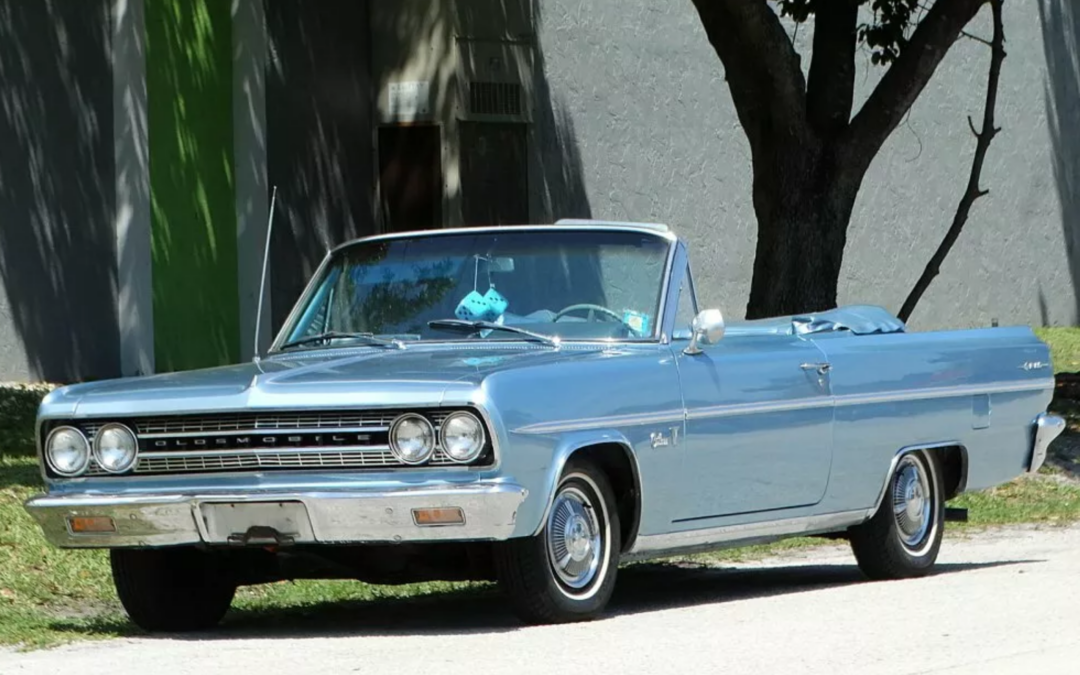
{"x":563,"y":191}
{"x":1061,"y":42}
{"x":318,"y":137}
{"x":57,"y":248}
{"x":322,"y":115}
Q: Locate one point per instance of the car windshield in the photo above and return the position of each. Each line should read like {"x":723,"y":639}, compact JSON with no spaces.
{"x":570,"y":284}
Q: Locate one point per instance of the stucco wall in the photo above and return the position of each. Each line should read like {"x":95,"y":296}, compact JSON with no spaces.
{"x":57,"y":239}
{"x":644,"y":113}
{"x":319,"y":136}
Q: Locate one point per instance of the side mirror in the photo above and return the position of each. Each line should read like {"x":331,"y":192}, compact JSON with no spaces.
{"x":707,"y":329}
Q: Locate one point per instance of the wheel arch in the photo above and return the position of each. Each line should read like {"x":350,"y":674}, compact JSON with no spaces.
{"x":953,"y":459}
{"x":614,"y":455}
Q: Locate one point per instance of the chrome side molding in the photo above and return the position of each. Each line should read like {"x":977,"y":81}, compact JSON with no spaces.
{"x":1047,"y":427}
{"x":714,"y":538}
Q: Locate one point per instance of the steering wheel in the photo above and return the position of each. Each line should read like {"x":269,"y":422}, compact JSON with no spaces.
{"x":592,"y":312}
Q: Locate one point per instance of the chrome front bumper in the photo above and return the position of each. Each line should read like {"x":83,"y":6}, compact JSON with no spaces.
{"x":1047,"y":427}
{"x":325,"y":517}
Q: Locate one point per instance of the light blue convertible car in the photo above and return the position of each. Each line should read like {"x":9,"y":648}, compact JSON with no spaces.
{"x":532,"y":405}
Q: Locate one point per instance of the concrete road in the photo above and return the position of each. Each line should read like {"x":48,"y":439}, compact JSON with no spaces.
{"x":1004,"y":602}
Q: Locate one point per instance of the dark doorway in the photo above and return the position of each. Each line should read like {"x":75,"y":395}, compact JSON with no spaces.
{"x":410,"y":177}
{"x":494,"y":179}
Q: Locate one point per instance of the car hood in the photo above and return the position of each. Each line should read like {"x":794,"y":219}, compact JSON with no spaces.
{"x":417,"y":375}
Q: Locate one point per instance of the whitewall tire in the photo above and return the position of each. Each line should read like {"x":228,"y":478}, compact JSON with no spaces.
{"x":566,"y":572}
{"x":903,"y":537}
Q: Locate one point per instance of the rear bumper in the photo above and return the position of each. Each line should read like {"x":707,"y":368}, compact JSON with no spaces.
{"x":333,"y":517}
{"x":1047,"y":427}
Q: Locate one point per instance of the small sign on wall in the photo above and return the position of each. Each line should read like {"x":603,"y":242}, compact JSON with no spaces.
{"x":409,"y":100}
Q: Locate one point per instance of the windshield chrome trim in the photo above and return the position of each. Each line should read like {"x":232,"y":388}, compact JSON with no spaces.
{"x":305,"y":297}
{"x":659,"y":336}
{"x":494,"y":229}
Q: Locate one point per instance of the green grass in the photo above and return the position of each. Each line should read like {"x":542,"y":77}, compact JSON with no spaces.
{"x":1044,"y":498}
{"x":46,"y":595}
{"x":50,"y":596}
{"x":1064,"y":343}
{"x":756,"y":551}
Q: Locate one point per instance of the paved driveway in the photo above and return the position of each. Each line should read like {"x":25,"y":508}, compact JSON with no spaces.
{"x":1004,"y":602}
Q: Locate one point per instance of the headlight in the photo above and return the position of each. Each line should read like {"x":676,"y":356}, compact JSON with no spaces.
{"x":462,"y":437}
{"x":115,"y":448}
{"x":67,"y":451}
{"x":412,"y":438}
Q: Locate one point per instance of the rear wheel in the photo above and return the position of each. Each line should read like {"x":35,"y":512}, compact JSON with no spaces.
{"x":567,"y":572}
{"x":903,"y":538}
{"x":172,"y":589}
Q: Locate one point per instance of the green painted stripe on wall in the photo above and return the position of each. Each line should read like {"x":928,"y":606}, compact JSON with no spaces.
{"x":192,"y":193}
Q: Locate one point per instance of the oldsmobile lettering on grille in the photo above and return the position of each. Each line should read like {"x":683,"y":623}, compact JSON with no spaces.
{"x":298,"y":440}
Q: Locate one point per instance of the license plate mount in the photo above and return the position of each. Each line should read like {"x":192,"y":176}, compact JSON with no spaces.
{"x":256,"y":523}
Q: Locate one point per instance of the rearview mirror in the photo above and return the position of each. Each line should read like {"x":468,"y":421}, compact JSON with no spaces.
{"x":707,"y":329}
{"x":501,"y":264}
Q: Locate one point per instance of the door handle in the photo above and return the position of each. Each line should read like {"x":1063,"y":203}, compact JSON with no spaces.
{"x":821,"y":368}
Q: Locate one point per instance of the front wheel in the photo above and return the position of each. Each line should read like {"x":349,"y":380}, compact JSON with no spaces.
{"x":902,"y":539}
{"x":172,"y":589}
{"x":566,"y":572}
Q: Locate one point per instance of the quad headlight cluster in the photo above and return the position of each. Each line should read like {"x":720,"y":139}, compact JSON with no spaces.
{"x":413,"y":438}
{"x":115,"y":449}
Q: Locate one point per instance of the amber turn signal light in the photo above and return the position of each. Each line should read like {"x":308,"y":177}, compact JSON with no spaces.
{"x":90,"y":524}
{"x":440,"y":516}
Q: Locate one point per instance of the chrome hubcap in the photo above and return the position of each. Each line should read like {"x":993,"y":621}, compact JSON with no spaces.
{"x":573,"y":534}
{"x":912,"y":502}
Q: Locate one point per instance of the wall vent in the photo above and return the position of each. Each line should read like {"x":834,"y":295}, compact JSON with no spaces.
{"x":495,"y":98}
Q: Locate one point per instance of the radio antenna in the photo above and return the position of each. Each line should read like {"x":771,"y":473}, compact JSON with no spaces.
{"x":262,"y":281}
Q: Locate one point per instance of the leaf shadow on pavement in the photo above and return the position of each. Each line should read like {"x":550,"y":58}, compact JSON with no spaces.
{"x":646,"y":587}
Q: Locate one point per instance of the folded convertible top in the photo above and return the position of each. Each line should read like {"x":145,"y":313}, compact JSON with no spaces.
{"x":856,"y":319}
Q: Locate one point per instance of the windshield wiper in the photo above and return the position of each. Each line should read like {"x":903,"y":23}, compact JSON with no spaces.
{"x":477,"y":326}
{"x":366,"y":338}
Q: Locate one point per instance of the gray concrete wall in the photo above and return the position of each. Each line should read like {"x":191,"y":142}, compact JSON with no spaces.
{"x":57,"y":240}
{"x":642,"y":123}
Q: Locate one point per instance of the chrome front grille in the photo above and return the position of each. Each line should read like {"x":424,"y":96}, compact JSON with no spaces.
{"x":169,"y":444}
{"x":210,"y":424}
{"x":228,"y":461}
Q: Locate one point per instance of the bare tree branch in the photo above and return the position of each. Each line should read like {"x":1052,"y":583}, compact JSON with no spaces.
{"x":762,"y":66}
{"x":976,"y":38}
{"x":982,"y":145}
{"x":831,"y":86}
{"x":909,"y":74}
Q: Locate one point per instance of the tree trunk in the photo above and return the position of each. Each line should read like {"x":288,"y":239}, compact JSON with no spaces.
{"x":803,"y":197}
